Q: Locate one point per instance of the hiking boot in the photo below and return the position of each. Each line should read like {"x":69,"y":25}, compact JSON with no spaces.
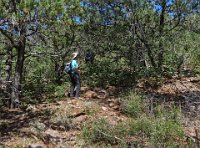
{"x":73,"y":97}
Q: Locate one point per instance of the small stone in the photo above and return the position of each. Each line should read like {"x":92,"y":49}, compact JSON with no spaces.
{"x":97,"y":89}
{"x":198,"y":108}
{"x":198,"y":133}
{"x":116,"y":107}
{"x":111,"y":104}
{"x":104,"y":108}
{"x":79,"y":119}
{"x":36,"y":146}
{"x":116,"y":101}
{"x":73,"y":142}
{"x":90,"y":94}
{"x":190,"y":132}
{"x":109,"y":100}
{"x":102,"y":94}
{"x":72,"y":138}
{"x":84,"y":89}
{"x":52,"y":133}
{"x":31,"y":108}
{"x":111,"y":90}
{"x":192,"y":108}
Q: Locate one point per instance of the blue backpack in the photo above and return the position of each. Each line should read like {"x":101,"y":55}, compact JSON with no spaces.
{"x":68,"y":68}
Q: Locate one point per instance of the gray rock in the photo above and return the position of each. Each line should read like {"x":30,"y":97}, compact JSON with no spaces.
{"x":192,"y":108}
{"x":198,"y":108}
{"x":79,"y":120}
{"x":35,"y":146}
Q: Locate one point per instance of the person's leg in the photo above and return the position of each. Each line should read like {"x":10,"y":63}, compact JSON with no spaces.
{"x":78,"y":86}
{"x":72,"y":86}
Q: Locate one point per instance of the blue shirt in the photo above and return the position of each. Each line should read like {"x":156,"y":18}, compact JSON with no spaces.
{"x":74,"y":64}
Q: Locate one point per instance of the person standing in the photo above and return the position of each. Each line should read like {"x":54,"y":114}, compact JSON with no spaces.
{"x":75,"y":84}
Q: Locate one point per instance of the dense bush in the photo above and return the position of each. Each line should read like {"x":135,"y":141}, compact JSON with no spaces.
{"x":104,"y":72}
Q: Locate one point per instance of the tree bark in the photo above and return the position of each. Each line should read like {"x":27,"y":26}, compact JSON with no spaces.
{"x":8,"y":70}
{"x":58,"y":71}
{"x":16,"y":85}
{"x":161,"y":28}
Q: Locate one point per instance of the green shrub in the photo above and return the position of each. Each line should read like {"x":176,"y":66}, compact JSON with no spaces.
{"x":121,"y":130}
{"x":166,"y":132}
{"x":162,"y":131}
{"x":172,"y":113}
{"x":98,"y":131}
{"x":142,"y":125}
{"x":105,"y":72}
{"x":91,"y":108}
{"x":167,"y":128}
{"x":101,"y":131}
{"x":132,"y":105}
{"x":62,"y":121}
{"x":60,"y":90}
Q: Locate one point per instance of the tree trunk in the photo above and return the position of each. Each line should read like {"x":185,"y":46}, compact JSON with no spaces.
{"x":161,"y":28}
{"x":8,"y":70}
{"x":16,"y":85}
{"x":59,"y":67}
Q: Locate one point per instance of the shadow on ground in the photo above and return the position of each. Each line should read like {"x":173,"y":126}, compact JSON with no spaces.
{"x":12,"y":121}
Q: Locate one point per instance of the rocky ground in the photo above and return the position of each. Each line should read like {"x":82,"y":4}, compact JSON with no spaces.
{"x":59,"y":124}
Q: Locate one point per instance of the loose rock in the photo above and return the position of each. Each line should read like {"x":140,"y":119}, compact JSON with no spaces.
{"x":36,"y":146}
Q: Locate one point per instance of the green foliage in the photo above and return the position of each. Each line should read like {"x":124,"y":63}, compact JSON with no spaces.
{"x":171,"y":122}
{"x":98,"y":131}
{"x":148,"y":72}
{"x":39,"y":80}
{"x":166,"y":127}
{"x":91,"y":109}
{"x":60,"y":118}
{"x":61,"y":90}
{"x":132,"y":105}
{"x":131,"y":40}
{"x":124,"y":50}
{"x":99,"y":73}
{"x":104,"y":72}
{"x":166,"y":132}
{"x":141,"y":126}
{"x":101,"y":131}
{"x":51,"y":93}
{"x":39,"y":70}
{"x":160,"y":131}
{"x":163,"y":128}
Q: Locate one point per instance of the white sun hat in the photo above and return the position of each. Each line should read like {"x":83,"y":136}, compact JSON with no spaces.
{"x":75,"y":54}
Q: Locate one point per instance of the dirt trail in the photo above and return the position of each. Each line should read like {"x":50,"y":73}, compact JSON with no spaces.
{"x":19,"y":127}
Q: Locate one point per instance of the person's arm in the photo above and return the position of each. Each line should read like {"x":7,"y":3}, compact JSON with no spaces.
{"x":76,"y":69}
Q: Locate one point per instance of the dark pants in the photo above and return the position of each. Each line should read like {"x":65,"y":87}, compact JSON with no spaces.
{"x":75,"y":83}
